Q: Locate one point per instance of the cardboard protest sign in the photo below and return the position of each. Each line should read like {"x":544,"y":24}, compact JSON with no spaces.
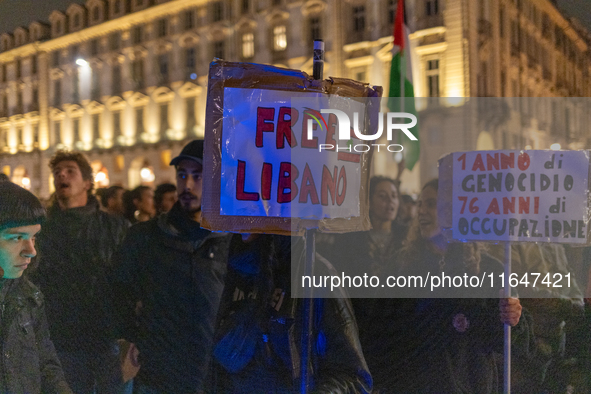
{"x":525,"y":196}
{"x":263,"y":171}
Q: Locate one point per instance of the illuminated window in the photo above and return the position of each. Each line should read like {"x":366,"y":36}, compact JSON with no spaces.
{"x":75,"y":87}
{"x":136,"y":35}
{"x":391,"y":11}
{"x":432,"y":74}
{"x":162,"y":27}
{"x":57,"y":130}
{"x":189,"y":19}
{"x":358,"y":19}
{"x":163,"y":67}
{"x":165,"y":158}
{"x":247,"y":45}
{"x":94,"y":47}
{"x":18,"y":68}
{"x":191,"y":121}
{"x":116,"y":81}
{"x":137,"y":73}
{"x":116,"y":124}
{"x":279,"y":38}
{"x":139,"y":121}
{"x":76,"y":128}
{"x":431,"y":7}
{"x":114,"y":41}
{"x":96,"y":133}
{"x":315,"y":28}
{"x":57,"y":93}
{"x":218,"y":11}
{"x":95,"y":88}
{"x":163,"y":119}
{"x":33,"y":65}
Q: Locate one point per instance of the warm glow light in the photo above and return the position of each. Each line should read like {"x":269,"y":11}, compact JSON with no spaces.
{"x":81,"y":62}
{"x":528,"y":147}
{"x":101,"y":176}
{"x":555,"y":146}
{"x":147,"y":175}
{"x":455,"y":101}
{"x":26,"y":182}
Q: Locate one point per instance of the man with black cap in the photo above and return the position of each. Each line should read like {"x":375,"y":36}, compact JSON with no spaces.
{"x":170,"y":276}
{"x":29,"y":363}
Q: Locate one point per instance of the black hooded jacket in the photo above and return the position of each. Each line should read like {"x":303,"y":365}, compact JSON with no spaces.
{"x":258,"y":307}
{"x":170,"y":276}
{"x":75,"y":248}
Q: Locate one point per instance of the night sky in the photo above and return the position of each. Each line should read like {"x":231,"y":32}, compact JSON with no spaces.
{"x":14,"y":13}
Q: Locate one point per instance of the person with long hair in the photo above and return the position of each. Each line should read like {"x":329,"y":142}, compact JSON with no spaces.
{"x":372,"y":252}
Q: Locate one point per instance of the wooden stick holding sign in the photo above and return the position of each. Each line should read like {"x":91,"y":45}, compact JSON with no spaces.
{"x":308,"y":305}
{"x":263,"y":169}
{"x":507,"y":327}
{"x":507,"y":196}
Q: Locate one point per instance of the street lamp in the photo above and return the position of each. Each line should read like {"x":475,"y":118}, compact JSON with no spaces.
{"x":26,"y":182}
{"x":81,"y":62}
{"x":555,"y":146}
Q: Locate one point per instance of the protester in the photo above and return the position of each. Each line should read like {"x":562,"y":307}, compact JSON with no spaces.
{"x":444,"y":345}
{"x":371,"y":252}
{"x":165,"y":197}
{"x":258,"y":346}
{"x":170,"y":277}
{"x":75,"y":250}
{"x":407,"y":210}
{"x":139,"y":204}
{"x":30,"y":363}
{"x":4,"y":177}
{"x":112,"y":200}
{"x":556,"y":311}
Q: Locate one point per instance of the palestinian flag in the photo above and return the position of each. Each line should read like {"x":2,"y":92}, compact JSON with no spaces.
{"x":401,"y":85}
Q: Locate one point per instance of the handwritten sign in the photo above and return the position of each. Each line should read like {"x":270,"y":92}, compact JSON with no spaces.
{"x":273,"y":162}
{"x":533,"y":195}
{"x":271,"y":168}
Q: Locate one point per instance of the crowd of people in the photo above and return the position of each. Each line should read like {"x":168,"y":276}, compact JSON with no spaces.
{"x":110,"y":278}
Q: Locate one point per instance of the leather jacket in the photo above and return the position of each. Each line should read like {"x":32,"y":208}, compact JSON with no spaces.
{"x":28,"y":361}
{"x":175,"y":270}
{"x":259,"y":274}
{"x":75,"y":249}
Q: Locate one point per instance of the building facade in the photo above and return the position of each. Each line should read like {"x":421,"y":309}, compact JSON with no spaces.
{"x":125,"y":80}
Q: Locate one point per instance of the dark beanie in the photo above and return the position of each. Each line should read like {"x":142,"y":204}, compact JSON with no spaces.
{"x":18,"y":207}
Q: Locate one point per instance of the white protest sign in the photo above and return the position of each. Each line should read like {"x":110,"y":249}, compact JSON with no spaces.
{"x":269,"y":167}
{"x":533,"y":195}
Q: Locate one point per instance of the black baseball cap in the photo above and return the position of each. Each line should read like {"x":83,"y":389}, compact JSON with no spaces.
{"x":192,"y":151}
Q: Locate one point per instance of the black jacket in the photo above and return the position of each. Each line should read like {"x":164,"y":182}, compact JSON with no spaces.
{"x":75,"y":249}
{"x":28,"y":360}
{"x":175,"y":270}
{"x":443,"y":345}
{"x":258,"y":296}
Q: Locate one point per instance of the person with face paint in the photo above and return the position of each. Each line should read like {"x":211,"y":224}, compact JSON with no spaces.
{"x":29,"y":361}
{"x":170,"y":275}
